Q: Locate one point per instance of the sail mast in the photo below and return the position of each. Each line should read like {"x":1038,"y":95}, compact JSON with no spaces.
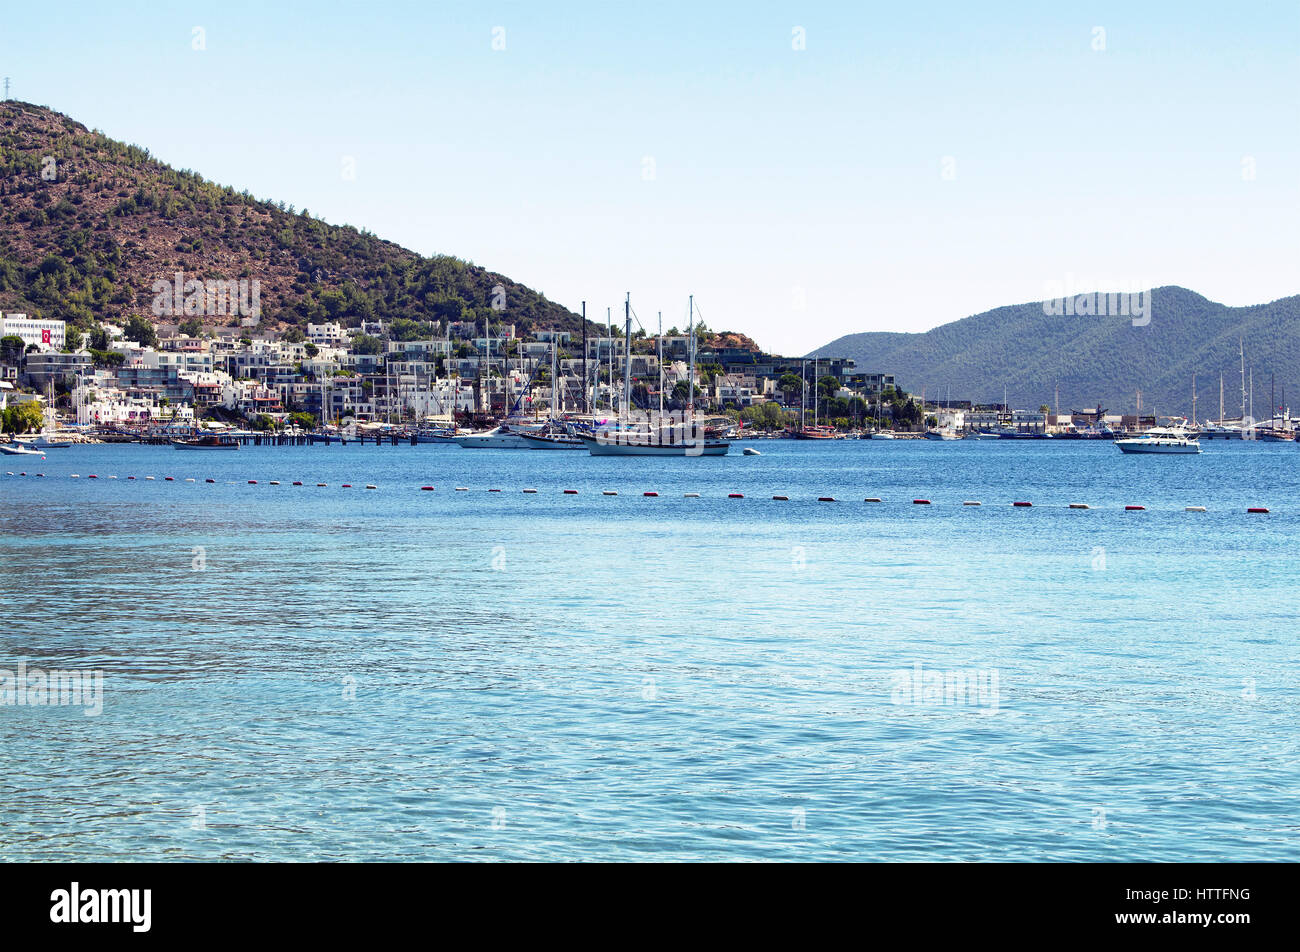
{"x":659,"y":346}
{"x":690,"y":349}
{"x":627,"y":356}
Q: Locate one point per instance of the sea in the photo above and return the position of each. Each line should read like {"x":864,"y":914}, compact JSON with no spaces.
{"x":313,"y":672}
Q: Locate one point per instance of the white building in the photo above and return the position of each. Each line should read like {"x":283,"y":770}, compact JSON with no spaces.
{"x":44,"y":334}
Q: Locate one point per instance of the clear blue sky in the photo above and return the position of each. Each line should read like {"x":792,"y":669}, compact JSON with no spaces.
{"x":781,"y":177}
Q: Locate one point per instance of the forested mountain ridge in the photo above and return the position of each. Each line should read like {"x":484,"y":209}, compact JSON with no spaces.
{"x":89,"y":224}
{"x":1097,"y":359}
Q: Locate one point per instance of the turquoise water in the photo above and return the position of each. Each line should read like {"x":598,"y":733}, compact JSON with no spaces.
{"x":395,"y":674}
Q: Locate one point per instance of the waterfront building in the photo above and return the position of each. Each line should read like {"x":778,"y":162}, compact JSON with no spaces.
{"x":45,"y":335}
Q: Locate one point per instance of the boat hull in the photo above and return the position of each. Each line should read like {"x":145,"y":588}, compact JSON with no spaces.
{"x":507,"y":441}
{"x":1164,"y":449}
{"x":614,"y":447}
{"x":553,"y":443}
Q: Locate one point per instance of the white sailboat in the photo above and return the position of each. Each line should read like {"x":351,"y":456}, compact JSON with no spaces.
{"x":684,"y":440}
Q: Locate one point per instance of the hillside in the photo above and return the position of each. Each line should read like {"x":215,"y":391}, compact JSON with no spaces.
{"x":86,"y":235}
{"x":1097,"y":359}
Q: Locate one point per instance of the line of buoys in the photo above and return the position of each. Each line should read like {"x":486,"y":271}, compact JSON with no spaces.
{"x":690,"y":495}
{"x":1256,"y":509}
{"x":782,"y":498}
{"x":872,"y":499}
{"x":494,"y":490}
{"x":274,"y":482}
{"x":298,"y":483}
{"x":650,"y":494}
{"x":371,"y":486}
{"x":735,"y":495}
{"x":920,"y":502}
{"x":1193,"y":509}
{"x":1023,"y":505}
{"x":570,"y":492}
{"x":531,"y":491}
{"x":252,"y":482}
{"x":346,"y":486}
{"x":149,"y":478}
{"x":169,"y":479}
{"x":972,"y":502}
{"x":427,"y":489}
{"x":608,"y":492}
{"x":321,"y":484}
{"x":188,"y":479}
{"x":825,"y":498}
{"x":1135,"y":508}
{"x":1079,"y":505}
{"x":130,"y":477}
{"x":462,"y":489}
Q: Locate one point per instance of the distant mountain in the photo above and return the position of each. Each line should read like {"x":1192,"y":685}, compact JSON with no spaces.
{"x":1097,"y":359}
{"x":88,"y":224}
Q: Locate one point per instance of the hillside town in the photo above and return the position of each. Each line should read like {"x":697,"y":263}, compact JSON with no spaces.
{"x":143,"y":375}
{"x":399,"y":377}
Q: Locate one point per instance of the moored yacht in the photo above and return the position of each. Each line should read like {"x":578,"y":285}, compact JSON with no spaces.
{"x":1160,"y":440}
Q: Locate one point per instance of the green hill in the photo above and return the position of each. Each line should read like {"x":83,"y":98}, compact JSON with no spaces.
{"x":1097,"y":360}
{"x":89,"y":224}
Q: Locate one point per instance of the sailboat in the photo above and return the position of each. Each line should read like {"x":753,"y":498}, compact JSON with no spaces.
{"x":658,"y":440}
{"x":554,"y":435}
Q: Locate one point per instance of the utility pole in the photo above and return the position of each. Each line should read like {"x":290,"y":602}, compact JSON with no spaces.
{"x":6,"y":87}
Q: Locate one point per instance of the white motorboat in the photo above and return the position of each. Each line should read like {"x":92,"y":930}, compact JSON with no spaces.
{"x":18,"y":449}
{"x":942,"y":433}
{"x":503,"y":437}
{"x":883,"y":435}
{"x":1160,"y":440}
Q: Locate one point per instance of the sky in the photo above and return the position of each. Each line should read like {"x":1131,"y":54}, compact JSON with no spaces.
{"x":806,"y":170}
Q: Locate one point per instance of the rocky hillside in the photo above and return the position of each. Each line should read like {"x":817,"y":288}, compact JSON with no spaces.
{"x":90,"y":224}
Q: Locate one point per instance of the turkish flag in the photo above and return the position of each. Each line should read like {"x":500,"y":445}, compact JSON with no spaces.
{"x":45,"y":336}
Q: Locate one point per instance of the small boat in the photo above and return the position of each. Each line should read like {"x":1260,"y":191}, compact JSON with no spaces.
{"x":551,"y":439}
{"x":750,"y":451}
{"x":503,"y":437}
{"x":981,"y":435}
{"x":625,"y":443}
{"x":209,"y":442}
{"x":816,"y":433}
{"x":942,"y":433}
{"x":1160,"y":440}
{"x":19,"y":449}
{"x":47,"y":441}
{"x":884,"y":435}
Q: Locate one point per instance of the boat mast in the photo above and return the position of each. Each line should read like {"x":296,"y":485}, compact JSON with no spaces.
{"x":586,"y":405}
{"x":1241,"y":349}
{"x":803,"y":396}
{"x":609,"y":333}
{"x":659,"y":345}
{"x":1220,"y":399}
{"x":690,"y":376}
{"x":555,"y":377}
{"x":627,"y":356}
